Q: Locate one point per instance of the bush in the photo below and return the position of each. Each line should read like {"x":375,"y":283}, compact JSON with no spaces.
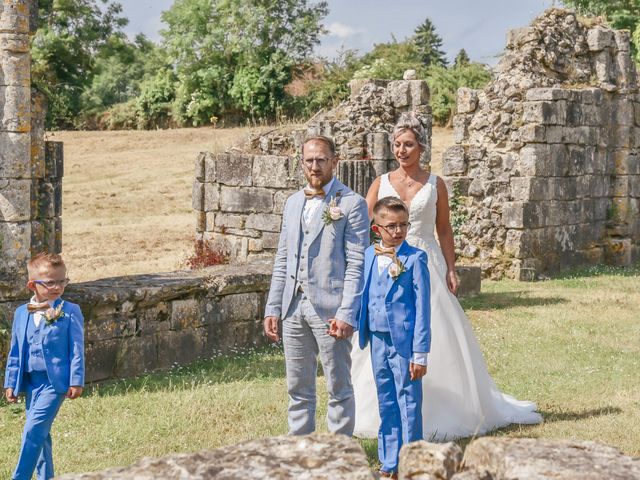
{"x":445,"y":82}
{"x":206,"y":256}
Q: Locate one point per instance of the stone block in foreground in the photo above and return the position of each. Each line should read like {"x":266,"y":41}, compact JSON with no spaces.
{"x":491,"y":458}
{"x":313,"y":457}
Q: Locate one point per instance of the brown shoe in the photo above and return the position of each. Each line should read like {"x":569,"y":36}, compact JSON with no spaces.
{"x":384,"y":474}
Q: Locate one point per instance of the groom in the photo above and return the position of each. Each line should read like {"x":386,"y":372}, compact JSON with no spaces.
{"x":316,"y":288}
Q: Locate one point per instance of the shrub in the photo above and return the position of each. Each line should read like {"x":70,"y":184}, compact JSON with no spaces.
{"x":445,"y":82}
{"x":206,"y":256}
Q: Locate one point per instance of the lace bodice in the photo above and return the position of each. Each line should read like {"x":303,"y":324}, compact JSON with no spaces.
{"x":422,"y":216}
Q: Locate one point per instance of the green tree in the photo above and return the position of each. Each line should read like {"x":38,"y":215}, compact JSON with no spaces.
{"x":621,"y":14}
{"x":64,"y":49}
{"x":390,"y":60}
{"x":331,"y":87}
{"x":234,"y":57}
{"x":461,"y":58}
{"x":428,"y":43}
{"x":120,"y":67}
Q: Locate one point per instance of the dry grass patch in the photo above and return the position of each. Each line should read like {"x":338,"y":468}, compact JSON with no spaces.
{"x":127,"y":196}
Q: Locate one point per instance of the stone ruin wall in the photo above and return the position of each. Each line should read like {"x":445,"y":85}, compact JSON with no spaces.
{"x":239,"y":196}
{"x":30,"y":168}
{"x":546,"y":156}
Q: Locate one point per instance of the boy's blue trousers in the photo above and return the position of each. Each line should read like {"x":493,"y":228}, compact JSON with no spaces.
{"x":43,"y":403}
{"x":399,"y":400}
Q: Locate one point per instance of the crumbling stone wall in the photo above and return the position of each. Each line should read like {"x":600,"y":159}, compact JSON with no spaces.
{"x":547,"y":154}
{"x":360,"y":127}
{"x":142,"y":323}
{"x":239,"y":199}
{"x":30,"y":168}
{"x":239,"y":196}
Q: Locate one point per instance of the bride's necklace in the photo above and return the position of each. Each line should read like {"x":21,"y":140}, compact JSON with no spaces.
{"x":410,"y":182}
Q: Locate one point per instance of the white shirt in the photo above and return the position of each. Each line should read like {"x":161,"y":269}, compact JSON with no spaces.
{"x":39,"y":315}
{"x":419,"y":358}
{"x":312,"y":205}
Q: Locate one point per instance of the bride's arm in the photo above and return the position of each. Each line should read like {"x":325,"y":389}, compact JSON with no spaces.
{"x":445,"y":235}
{"x":372,"y":196}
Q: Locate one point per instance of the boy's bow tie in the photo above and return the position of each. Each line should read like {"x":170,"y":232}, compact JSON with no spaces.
{"x":309,"y":193}
{"x":38,"y":307}
{"x":387,"y":252}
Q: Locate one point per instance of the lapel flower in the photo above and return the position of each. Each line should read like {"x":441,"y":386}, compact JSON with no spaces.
{"x":53,"y":314}
{"x":332,"y":213}
{"x":396,"y":268}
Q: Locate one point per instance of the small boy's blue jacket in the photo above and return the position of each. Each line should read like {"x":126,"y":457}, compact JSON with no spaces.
{"x":62,"y":348}
{"x":407,"y":302}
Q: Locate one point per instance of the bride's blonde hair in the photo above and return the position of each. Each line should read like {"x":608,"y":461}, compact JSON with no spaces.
{"x":408,"y":121}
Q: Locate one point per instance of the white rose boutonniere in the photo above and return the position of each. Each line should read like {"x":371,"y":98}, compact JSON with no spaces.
{"x":332,"y":213}
{"x":53,"y":314}
{"x":396,"y":269}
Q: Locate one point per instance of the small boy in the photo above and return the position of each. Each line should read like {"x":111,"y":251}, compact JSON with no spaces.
{"x":395,"y":316}
{"x":46,"y":361}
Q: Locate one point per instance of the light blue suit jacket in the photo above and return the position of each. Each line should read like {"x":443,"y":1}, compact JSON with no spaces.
{"x":62,"y":348}
{"x":335,"y":262}
{"x":407,"y":302}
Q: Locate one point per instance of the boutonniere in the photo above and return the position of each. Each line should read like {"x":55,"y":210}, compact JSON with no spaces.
{"x":53,"y":314}
{"x":396,"y":268}
{"x":332,"y":213}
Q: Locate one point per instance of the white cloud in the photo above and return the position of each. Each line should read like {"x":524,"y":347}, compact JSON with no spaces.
{"x":341,"y":30}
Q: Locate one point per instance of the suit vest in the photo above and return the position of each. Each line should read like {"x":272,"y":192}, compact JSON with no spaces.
{"x":302,"y":274}
{"x":33,"y":354}
{"x":376,"y":309}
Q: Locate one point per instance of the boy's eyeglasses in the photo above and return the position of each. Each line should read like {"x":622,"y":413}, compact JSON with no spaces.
{"x":52,"y":283}
{"x":395,"y":226}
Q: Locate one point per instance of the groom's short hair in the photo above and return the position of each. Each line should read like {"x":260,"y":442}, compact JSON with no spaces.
{"x":393,"y":204}
{"x":328,"y":141}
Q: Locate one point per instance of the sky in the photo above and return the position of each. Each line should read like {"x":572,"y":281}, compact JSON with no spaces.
{"x":478,"y":26}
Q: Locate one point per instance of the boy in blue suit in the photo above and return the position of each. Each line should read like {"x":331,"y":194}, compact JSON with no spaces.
{"x":395,"y":316}
{"x":46,"y":361}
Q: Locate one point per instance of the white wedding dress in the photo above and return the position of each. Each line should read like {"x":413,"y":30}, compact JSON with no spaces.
{"x":460,"y":397}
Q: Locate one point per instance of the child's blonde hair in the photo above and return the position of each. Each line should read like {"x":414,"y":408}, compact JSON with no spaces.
{"x":43,"y":261}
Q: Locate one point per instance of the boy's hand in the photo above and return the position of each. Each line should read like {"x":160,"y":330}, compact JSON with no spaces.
{"x":339,"y":329}
{"x":271,"y":328}
{"x":74,"y":392}
{"x":416,"y":371}
{"x":8,"y":394}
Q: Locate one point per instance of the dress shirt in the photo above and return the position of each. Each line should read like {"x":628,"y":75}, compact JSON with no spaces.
{"x":419,"y":358}
{"x":312,"y":205}
{"x":38,"y":316}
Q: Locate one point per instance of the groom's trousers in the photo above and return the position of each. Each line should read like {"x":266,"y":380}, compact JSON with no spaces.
{"x":304,"y":336}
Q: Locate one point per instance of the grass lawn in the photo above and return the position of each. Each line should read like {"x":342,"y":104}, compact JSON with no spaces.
{"x":572,"y":344}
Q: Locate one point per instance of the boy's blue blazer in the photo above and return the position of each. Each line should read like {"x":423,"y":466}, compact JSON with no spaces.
{"x":407,"y":302}
{"x":62,"y":347}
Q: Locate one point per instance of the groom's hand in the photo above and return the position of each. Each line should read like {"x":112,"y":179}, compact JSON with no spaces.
{"x":339,"y":329}
{"x":271,"y":328}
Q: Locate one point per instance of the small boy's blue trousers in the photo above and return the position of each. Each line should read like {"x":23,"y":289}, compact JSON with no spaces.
{"x":42,"y":403}
{"x":399,"y":400}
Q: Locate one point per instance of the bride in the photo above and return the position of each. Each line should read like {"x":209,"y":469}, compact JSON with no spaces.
{"x":460,"y":397}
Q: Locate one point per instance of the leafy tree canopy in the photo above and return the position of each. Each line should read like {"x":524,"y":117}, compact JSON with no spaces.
{"x":69,"y":37}
{"x":236,"y":56}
